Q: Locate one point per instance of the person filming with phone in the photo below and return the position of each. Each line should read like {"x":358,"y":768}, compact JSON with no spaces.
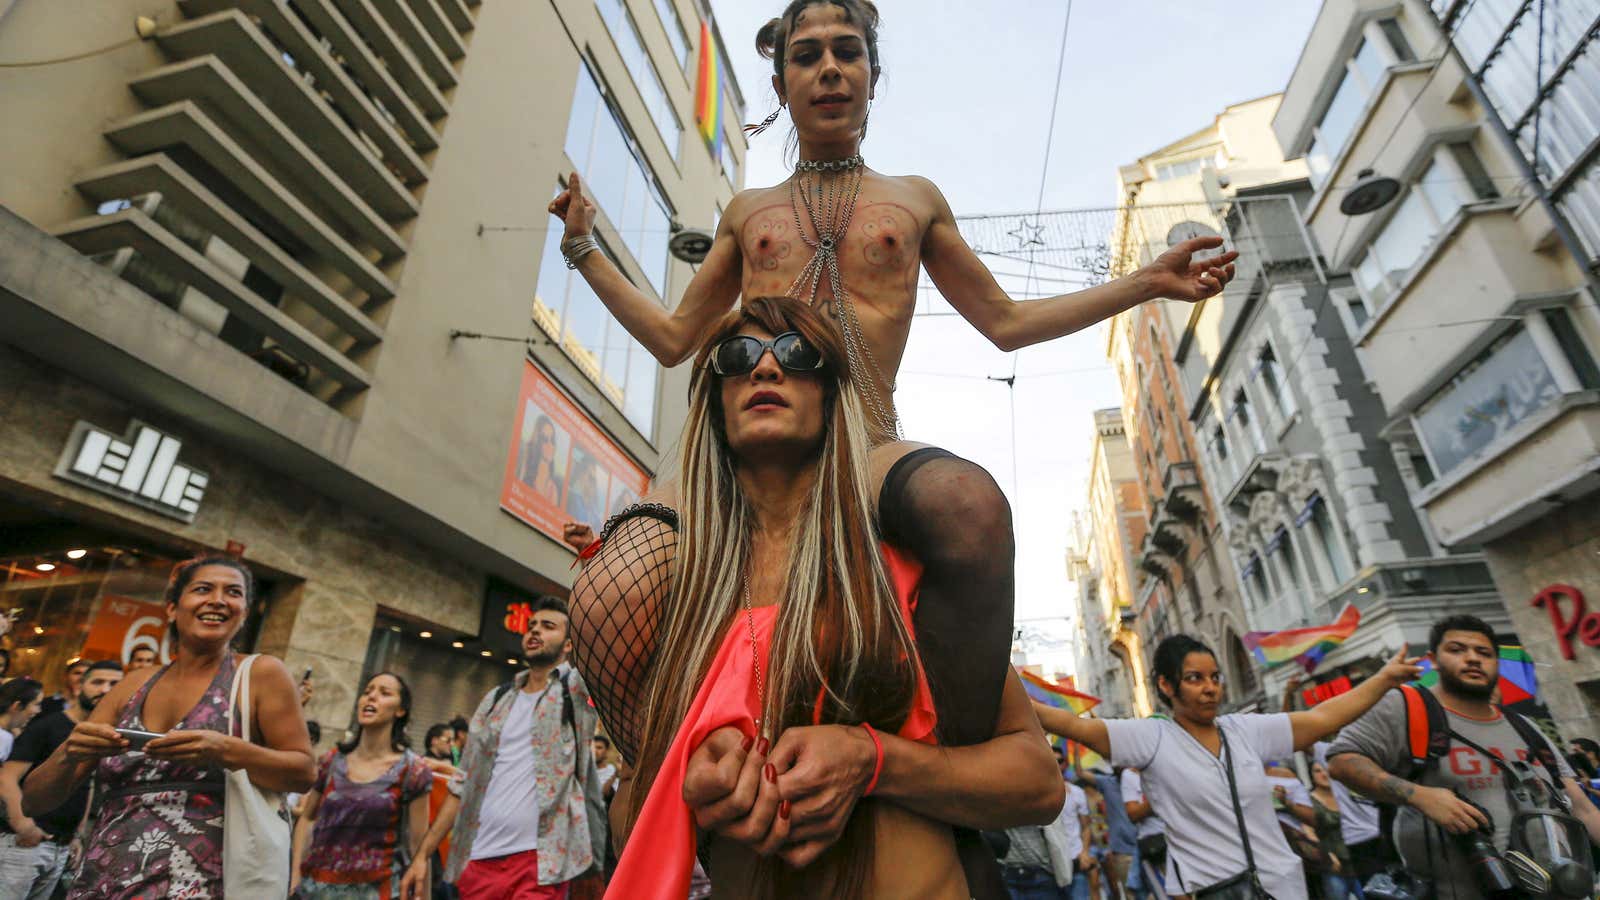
{"x":34,"y":850}
{"x":184,"y":753}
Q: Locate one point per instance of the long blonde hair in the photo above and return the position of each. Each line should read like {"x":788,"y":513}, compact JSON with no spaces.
{"x":841,"y":651}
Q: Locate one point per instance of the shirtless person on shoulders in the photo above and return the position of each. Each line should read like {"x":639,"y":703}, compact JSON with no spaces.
{"x":851,"y":240}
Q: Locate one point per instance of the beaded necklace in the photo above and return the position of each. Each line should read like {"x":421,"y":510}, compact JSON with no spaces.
{"x":836,"y":202}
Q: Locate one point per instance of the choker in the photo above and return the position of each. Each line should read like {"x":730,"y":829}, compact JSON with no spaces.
{"x":828,"y":165}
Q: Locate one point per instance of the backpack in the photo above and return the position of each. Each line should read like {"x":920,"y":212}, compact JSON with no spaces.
{"x":1548,"y":847}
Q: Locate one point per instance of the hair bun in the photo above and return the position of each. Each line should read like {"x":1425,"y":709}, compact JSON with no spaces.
{"x":767,"y":38}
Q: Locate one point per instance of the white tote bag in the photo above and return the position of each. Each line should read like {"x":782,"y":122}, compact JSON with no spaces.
{"x":255,"y":835}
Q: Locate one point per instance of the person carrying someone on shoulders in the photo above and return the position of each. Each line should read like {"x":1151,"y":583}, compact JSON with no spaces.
{"x":851,"y":242}
{"x":754,"y":655}
{"x":1204,"y":771}
{"x":1461,"y":791}
{"x":158,"y":831}
{"x":525,"y":803}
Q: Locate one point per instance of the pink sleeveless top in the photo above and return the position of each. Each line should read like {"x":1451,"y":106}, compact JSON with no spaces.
{"x":658,"y":865}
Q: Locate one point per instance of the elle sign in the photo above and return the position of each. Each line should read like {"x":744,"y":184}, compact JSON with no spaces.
{"x":1576,"y":621}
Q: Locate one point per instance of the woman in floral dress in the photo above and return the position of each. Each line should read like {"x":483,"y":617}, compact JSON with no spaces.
{"x":368,"y":811}
{"x":160,"y":811}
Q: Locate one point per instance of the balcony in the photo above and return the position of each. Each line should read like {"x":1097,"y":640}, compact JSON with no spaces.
{"x":1261,"y":474}
{"x":272,"y":169}
{"x":1184,"y":494}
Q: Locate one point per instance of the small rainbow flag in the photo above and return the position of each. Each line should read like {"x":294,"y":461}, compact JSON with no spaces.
{"x":708,"y":92}
{"x":1307,"y":646}
{"x":1518,"y":682}
{"x":1056,"y":695}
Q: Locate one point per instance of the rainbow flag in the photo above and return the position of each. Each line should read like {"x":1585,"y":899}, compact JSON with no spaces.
{"x":1058,"y":696}
{"x":1307,"y":646}
{"x":1518,"y":682}
{"x":1082,"y":757}
{"x":708,"y":93}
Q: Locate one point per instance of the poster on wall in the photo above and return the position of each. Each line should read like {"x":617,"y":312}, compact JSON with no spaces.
{"x":562,"y":468}
{"x":123,"y":625}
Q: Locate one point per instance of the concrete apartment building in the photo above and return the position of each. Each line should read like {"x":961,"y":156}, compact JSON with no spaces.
{"x":1184,"y":580}
{"x":276,"y":279}
{"x":1472,"y":299}
{"x":1109,"y":650}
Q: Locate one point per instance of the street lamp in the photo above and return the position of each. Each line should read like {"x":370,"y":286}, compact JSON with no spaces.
{"x":689,"y":244}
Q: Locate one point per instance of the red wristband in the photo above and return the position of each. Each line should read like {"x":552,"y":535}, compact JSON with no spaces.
{"x":877,"y":767}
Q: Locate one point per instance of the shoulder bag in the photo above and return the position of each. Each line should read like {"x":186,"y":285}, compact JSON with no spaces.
{"x":1247,"y":884}
{"x":255,"y":833}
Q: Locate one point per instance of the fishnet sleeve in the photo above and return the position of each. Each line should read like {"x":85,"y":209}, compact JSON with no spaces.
{"x":616,"y":609}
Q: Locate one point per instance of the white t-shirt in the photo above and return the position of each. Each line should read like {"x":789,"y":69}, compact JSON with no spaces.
{"x":508,"y":821}
{"x":1077,"y":805}
{"x":1133,"y":792}
{"x":1189,"y":785}
{"x":6,"y":740}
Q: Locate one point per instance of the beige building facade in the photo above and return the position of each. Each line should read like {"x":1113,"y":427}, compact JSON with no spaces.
{"x":278,"y":280}
{"x":1472,"y":304}
{"x":1110,"y":652}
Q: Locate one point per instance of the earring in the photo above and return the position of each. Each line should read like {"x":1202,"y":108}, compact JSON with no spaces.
{"x":751,"y":131}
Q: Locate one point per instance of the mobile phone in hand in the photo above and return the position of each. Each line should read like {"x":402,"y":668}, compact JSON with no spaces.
{"x":137,"y":739}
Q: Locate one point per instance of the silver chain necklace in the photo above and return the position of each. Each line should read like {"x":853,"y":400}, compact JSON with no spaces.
{"x":836,"y":198}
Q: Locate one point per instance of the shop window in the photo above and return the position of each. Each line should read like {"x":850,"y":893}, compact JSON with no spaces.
{"x":1487,"y":399}
{"x":630,"y":44}
{"x":605,"y":152}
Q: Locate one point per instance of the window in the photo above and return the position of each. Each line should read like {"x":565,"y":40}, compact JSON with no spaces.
{"x":1272,"y":380}
{"x":1219,"y":448}
{"x":629,"y":43}
{"x":604,"y":151}
{"x":1322,"y":530}
{"x":677,"y":36}
{"x":1441,"y":190}
{"x":566,"y":309}
{"x":1283,"y":546}
{"x":1489,"y":397}
{"x":1360,"y":79}
{"x":1255,"y":582}
{"x":1169,"y":171}
{"x":1419,"y":465}
{"x":1397,"y":40}
{"x":1573,"y":348}
{"x":1358,"y":310}
{"x":1246,"y":420}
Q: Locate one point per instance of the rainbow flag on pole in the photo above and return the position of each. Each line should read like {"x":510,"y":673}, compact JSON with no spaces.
{"x":1518,"y":681}
{"x":708,"y":92}
{"x":1307,"y":646}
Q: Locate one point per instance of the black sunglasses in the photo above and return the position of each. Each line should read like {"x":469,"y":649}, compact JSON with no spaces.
{"x":740,"y":354}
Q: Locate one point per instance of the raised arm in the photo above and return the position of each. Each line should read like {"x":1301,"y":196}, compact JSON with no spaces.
{"x":1009,"y":324}
{"x":669,"y":336}
{"x":1091,"y":733}
{"x":1329,"y":716}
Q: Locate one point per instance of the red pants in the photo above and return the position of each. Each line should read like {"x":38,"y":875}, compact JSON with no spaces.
{"x":514,"y":877}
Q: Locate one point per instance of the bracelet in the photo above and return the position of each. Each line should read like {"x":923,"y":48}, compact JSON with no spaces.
{"x":877,"y":767}
{"x":576,"y":248}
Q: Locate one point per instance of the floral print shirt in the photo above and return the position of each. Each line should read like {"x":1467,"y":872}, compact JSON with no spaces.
{"x":359,"y":822}
{"x":572,"y":817}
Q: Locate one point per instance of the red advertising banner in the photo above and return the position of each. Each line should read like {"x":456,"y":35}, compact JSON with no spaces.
{"x":123,"y":625}
{"x":562,"y":468}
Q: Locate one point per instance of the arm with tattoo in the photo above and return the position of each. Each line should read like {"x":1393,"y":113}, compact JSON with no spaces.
{"x":1441,"y":805}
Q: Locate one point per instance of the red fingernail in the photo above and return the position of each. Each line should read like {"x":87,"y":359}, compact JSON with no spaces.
{"x":783,"y":810}
{"x":762,"y":746}
{"x":748,"y":743}
{"x":771,"y":771}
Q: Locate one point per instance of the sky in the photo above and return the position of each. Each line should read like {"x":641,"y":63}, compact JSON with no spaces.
{"x":965,"y":100}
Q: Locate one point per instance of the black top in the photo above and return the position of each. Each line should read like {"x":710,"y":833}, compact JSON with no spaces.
{"x":40,"y":739}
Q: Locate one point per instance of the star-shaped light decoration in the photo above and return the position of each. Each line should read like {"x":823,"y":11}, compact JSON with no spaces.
{"x":1028,"y":234}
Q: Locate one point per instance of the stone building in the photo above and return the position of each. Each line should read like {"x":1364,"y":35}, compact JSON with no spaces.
{"x":1110,"y":653}
{"x":1452,"y":157}
{"x":277,"y":280}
